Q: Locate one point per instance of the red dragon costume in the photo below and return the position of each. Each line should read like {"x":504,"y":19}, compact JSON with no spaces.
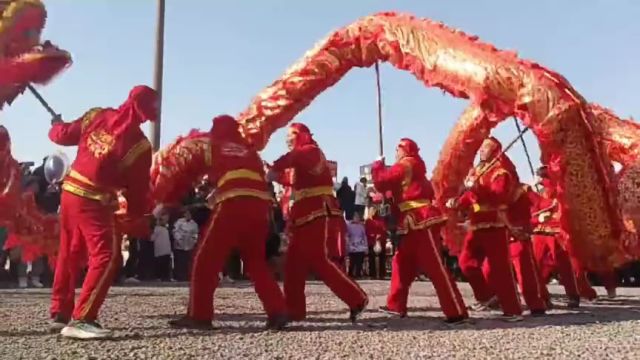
{"x":240,"y":218}
{"x":419,"y":223}
{"x":488,"y":201}
{"x":113,"y":154}
{"x":24,"y":59}
{"x":314,"y":219}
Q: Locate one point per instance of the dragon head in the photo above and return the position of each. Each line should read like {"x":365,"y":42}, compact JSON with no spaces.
{"x":24,"y":58}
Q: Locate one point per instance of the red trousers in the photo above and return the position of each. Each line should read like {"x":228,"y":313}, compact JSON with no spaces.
{"x":243,"y":223}
{"x":84,"y":224}
{"x":419,"y":252}
{"x":308,"y":252}
{"x":560,"y":262}
{"x":493,"y":245}
{"x":608,"y":279}
{"x":531,"y":285}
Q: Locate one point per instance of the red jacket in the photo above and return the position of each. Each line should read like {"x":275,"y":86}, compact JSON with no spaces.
{"x":376,"y":230}
{"x":492,"y":193}
{"x":312,"y":184}
{"x":106,"y":163}
{"x":238,"y":170}
{"x":412,"y":192}
{"x":545,"y":215}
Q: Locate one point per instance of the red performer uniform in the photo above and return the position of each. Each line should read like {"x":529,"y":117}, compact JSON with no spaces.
{"x":488,"y":201}
{"x":113,"y":155}
{"x":376,"y":233}
{"x":522,"y":253}
{"x":314,"y":217}
{"x":545,"y":219}
{"x":240,"y":219}
{"x":419,"y":223}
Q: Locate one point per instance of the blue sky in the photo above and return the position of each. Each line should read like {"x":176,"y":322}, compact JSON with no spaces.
{"x":219,"y":54}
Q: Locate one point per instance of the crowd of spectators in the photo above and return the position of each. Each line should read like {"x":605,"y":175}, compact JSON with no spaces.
{"x":368,"y":241}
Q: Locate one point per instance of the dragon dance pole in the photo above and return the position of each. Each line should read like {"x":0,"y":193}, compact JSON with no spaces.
{"x":41,"y":100}
{"x":380,"y":150}
{"x":379,"y":101}
{"x":157,"y":80}
{"x":524,"y":146}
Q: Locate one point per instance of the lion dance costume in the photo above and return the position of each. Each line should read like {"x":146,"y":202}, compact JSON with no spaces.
{"x":314,"y":219}
{"x":240,"y":218}
{"x":113,"y":154}
{"x":419,"y":224}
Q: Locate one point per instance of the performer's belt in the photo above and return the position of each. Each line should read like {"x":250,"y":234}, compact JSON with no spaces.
{"x":239,"y":174}
{"x":546,"y":231}
{"x":312,"y":192}
{"x":233,"y":193}
{"x":413,"y":204}
{"x":80,"y":185}
{"x":519,"y":191}
{"x":486,"y":208}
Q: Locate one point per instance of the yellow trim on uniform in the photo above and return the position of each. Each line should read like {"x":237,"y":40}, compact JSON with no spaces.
{"x":88,"y":117}
{"x":77,"y":176}
{"x":239,"y":174}
{"x":312,"y":192}
{"x":413,"y":204}
{"x":411,"y":224}
{"x":86,"y":193}
{"x":546,"y":230}
{"x":132,"y":155}
{"x":242,"y":192}
{"x":316,"y":214}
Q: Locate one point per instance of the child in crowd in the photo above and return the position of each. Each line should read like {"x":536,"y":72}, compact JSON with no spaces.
{"x":356,"y":245}
{"x":162,"y":247}
{"x":185,"y":235}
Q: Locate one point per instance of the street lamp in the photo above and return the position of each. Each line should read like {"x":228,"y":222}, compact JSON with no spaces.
{"x":157,"y":79}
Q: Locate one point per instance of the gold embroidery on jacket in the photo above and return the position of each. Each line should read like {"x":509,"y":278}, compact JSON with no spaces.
{"x":100,"y":143}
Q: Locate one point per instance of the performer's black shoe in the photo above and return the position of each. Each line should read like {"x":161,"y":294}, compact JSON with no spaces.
{"x":538,"y":313}
{"x":386,"y":310}
{"x":277,"y":322}
{"x":187,"y":322}
{"x":574,"y":303}
{"x":549,"y":304}
{"x":355,"y":312}
{"x":57,"y":323}
{"x":458,"y":320}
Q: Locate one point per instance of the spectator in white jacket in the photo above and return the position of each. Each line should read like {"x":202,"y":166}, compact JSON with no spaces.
{"x":185,"y":236}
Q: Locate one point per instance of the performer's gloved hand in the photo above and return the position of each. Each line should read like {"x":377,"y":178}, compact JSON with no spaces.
{"x":158,"y":210}
{"x":56,"y":119}
{"x":380,"y":158}
{"x":452,"y":203}
{"x":469,"y":182}
{"x":272,"y":176}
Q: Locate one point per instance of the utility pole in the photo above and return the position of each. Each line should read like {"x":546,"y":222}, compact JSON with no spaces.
{"x":157,"y":78}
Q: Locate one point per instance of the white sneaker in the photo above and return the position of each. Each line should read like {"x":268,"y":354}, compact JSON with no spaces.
{"x":35,"y":281}
{"x":131,"y":280}
{"x":85,"y":331}
{"x":228,"y":280}
{"x":22,"y":283}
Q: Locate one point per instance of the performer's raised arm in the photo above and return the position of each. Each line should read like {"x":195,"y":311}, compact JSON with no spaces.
{"x":68,"y":133}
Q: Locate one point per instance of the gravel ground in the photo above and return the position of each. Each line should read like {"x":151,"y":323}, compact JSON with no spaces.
{"x":607,"y":329}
